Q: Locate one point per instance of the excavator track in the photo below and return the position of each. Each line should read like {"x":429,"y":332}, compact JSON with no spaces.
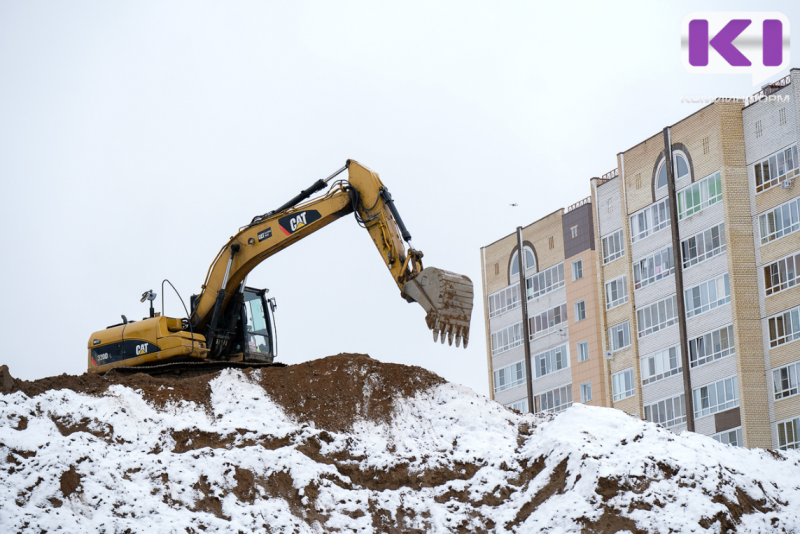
{"x":192,"y":368}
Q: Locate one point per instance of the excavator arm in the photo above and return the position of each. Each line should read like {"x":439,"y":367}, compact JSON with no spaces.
{"x":445,"y":296}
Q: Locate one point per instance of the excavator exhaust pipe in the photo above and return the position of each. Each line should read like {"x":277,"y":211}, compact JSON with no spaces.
{"x":447,"y":298}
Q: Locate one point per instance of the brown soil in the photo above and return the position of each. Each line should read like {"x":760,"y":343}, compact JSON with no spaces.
{"x":331,"y":392}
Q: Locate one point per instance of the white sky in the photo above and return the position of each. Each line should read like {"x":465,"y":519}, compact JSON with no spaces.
{"x":136,"y":137}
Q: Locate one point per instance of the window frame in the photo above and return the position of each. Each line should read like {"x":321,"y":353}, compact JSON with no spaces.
{"x":718,"y":437}
{"x":648,"y":263}
{"x":617,"y":237}
{"x":787,"y":212}
{"x":794,"y":423}
{"x":646,"y":215}
{"x":773,"y":161}
{"x":644,"y":316}
{"x":792,"y":372}
{"x":542,"y":278}
{"x":689,"y":296}
{"x":511,"y":344}
{"x":702,"y":194}
{"x":559,"y":311}
{"x":520,"y":380}
{"x":621,"y":376}
{"x":624,"y":326}
{"x":695,"y":360}
{"x":692,"y":242}
{"x":611,"y":285}
{"x":583,"y":351}
{"x":781,"y":268}
{"x":515,"y":262}
{"x":577,"y":270}
{"x":580,"y":312}
{"x":546,"y":362}
{"x":503,"y":296}
{"x":676,"y":404}
{"x":586,"y":392}
{"x":522,"y":403}
{"x":789,"y":324}
{"x":728,"y":404}
{"x":659,"y":358}
{"x":566,"y":391}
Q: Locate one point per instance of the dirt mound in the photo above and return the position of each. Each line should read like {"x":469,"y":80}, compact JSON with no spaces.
{"x":330,"y":392}
{"x":350,"y":444}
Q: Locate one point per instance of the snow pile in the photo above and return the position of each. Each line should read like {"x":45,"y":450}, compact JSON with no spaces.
{"x":445,"y":460}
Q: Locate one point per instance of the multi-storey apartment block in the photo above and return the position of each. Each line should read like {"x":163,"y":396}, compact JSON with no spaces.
{"x":688,"y":302}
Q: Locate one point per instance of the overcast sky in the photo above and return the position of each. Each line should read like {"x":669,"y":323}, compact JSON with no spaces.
{"x":137,"y":137}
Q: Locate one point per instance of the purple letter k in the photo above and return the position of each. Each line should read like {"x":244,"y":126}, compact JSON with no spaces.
{"x":723,"y":43}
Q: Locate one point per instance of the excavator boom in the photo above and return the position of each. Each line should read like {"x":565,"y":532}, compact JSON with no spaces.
{"x":216,"y":313}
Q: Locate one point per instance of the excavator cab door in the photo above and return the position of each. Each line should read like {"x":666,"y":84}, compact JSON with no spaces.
{"x":258,"y":331}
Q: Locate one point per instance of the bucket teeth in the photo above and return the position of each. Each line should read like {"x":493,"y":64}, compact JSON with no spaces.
{"x":447,"y":299}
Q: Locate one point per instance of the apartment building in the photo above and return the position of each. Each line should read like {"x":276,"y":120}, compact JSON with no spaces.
{"x":699,"y":223}
{"x":562,"y":309}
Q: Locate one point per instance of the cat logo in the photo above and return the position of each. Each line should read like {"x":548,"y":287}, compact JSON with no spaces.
{"x":298,"y":222}
{"x":141,"y":349}
{"x":291,"y":223}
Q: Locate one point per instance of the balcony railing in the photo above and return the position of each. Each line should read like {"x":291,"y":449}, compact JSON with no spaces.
{"x":768,"y":90}
{"x":579,"y":204}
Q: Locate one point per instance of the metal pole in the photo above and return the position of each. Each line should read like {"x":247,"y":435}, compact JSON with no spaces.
{"x":678,"y":260}
{"x":524,"y":305}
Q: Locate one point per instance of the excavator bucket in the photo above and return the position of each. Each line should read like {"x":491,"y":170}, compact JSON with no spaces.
{"x":447,"y":297}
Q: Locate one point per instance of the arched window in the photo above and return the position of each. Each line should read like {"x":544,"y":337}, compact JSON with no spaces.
{"x":530,"y":262}
{"x":681,"y":169}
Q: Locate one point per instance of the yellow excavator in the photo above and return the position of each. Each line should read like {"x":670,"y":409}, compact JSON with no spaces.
{"x":233,"y":325}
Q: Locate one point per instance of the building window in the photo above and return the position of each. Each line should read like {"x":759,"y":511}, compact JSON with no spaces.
{"x":784,"y":327}
{"x":583,"y":351}
{"x":668,"y":412}
{"x":622,"y":384}
{"x":660,"y":365}
{"x":704,"y":245}
{"x":716,"y":397}
{"x":577,"y":270}
{"x":530,"y":262}
{"x":507,"y":338}
{"x":619,"y":336}
{"x":509,"y":377}
{"x":699,"y":196}
{"x":681,"y":169}
{"x":711,"y":346}
{"x":556,"y":400}
{"x":782,"y":115}
{"x":617,"y":292}
{"x":613,"y":247}
{"x":548,"y":321}
{"x":759,"y":131}
{"x":707,"y":296}
{"x":784,"y":380}
{"x":781,"y":274}
{"x":573,"y":232}
{"x":706,"y":147}
{"x":520,"y":405}
{"x":504,"y":300}
{"x":580,"y":311}
{"x":551,"y":361}
{"x":551,"y":243}
{"x":788,"y":437}
{"x":650,"y":220}
{"x":730,"y":437}
{"x":654,"y":268}
{"x":546,"y":281}
{"x":586,"y":392}
{"x":657,"y":316}
{"x":776,"y":168}
{"x":780,"y":221}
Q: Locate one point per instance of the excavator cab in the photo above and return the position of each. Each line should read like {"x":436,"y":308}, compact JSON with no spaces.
{"x":256,"y":333}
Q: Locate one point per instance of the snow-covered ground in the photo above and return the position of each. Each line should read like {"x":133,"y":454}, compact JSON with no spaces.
{"x":449,"y":460}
